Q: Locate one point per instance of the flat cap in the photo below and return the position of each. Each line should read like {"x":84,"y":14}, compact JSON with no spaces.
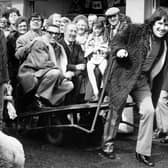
{"x":112,"y":11}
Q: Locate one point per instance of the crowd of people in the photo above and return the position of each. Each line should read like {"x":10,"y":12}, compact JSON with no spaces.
{"x":60,"y":60}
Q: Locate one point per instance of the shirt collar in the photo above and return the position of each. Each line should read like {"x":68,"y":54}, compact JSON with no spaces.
{"x":116,"y":27}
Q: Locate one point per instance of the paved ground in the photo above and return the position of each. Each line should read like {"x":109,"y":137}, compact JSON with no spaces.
{"x":77,"y":153}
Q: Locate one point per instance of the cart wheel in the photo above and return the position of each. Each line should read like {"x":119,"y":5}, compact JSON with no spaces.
{"x":54,"y":135}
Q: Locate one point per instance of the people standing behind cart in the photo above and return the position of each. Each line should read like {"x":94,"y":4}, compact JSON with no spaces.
{"x":4,"y":25}
{"x":24,"y":42}
{"x":116,"y":22}
{"x":91,"y":19}
{"x":13,"y":62}
{"x":82,"y":30}
{"x":12,"y":15}
{"x":76,"y":63}
{"x":139,"y":52}
{"x":64,"y":22}
{"x":55,"y":18}
{"x":4,"y":77}
{"x":44,"y":70}
{"x":96,"y":52}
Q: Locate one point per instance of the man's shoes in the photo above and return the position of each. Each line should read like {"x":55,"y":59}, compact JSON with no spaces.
{"x":145,"y":159}
{"x":109,"y":155}
{"x":164,"y":140}
{"x":38,"y":105}
{"x":108,"y":151}
{"x":158,"y":134}
{"x":94,"y":99}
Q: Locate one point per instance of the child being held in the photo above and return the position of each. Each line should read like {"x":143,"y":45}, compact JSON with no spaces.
{"x":96,"y":50}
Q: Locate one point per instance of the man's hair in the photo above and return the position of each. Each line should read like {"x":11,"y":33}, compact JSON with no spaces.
{"x":20,"y":20}
{"x":36,"y":15}
{"x":160,"y":13}
{"x":67,"y":25}
{"x":9,"y":11}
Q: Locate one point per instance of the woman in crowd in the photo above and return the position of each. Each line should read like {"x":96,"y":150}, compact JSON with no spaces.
{"x":12,"y":15}
{"x":13,"y":62}
{"x":64,"y":21}
{"x":91,"y":19}
{"x":82,"y":30}
{"x":4,"y":25}
{"x":96,"y":50}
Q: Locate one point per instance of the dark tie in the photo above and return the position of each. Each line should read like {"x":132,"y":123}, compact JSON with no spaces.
{"x":111,"y":32}
{"x":70,"y":46}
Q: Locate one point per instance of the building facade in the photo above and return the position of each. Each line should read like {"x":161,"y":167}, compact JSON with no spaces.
{"x":138,"y":10}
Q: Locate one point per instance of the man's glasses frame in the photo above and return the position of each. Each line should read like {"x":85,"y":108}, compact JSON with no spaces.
{"x":53,"y":33}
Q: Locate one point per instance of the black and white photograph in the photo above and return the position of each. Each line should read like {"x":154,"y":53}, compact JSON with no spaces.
{"x":83,"y":83}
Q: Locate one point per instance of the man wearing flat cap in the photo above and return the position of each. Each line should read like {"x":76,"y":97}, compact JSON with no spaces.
{"x":116,"y":22}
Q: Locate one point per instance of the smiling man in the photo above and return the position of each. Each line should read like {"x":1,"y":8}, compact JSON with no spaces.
{"x":24,"y":42}
{"x":44,"y":70}
{"x":141,"y":55}
{"x":76,"y":64}
{"x":116,"y":22}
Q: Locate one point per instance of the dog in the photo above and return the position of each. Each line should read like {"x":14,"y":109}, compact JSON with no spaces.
{"x":11,"y":152}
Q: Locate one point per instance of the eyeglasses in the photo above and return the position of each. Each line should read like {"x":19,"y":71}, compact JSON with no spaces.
{"x":53,"y":33}
{"x":99,"y":52}
{"x":112,"y":16}
{"x":35,"y":19}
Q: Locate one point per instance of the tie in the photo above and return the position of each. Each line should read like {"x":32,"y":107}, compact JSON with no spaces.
{"x":70,"y":46}
{"x":112,"y":32}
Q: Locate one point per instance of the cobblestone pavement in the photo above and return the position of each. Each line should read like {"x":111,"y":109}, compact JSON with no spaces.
{"x":77,"y":153}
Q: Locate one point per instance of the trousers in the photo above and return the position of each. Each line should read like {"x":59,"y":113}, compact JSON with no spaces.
{"x":141,"y":94}
{"x":53,"y":88}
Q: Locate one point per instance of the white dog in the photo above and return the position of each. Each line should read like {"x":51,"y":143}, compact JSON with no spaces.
{"x":11,"y":152}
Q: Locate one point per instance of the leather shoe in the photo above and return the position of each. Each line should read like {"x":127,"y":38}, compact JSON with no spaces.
{"x":109,"y":155}
{"x":158,"y":134}
{"x":94,"y":99}
{"x":108,"y":150}
{"x":164,"y":140}
{"x":38,"y":105}
{"x":145,"y":159}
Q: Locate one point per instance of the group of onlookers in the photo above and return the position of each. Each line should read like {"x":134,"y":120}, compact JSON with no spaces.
{"x":84,"y":39}
{"x":62,"y":60}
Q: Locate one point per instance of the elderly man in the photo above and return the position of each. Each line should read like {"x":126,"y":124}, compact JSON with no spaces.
{"x":75,"y":55}
{"x":116,"y":22}
{"x":44,"y":69}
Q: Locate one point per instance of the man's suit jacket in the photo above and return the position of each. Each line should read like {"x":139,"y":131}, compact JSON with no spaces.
{"x":75,"y":56}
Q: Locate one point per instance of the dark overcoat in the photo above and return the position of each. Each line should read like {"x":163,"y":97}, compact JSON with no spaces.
{"x":125,"y":73}
{"x":4,"y":76}
{"x":76,"y":56}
